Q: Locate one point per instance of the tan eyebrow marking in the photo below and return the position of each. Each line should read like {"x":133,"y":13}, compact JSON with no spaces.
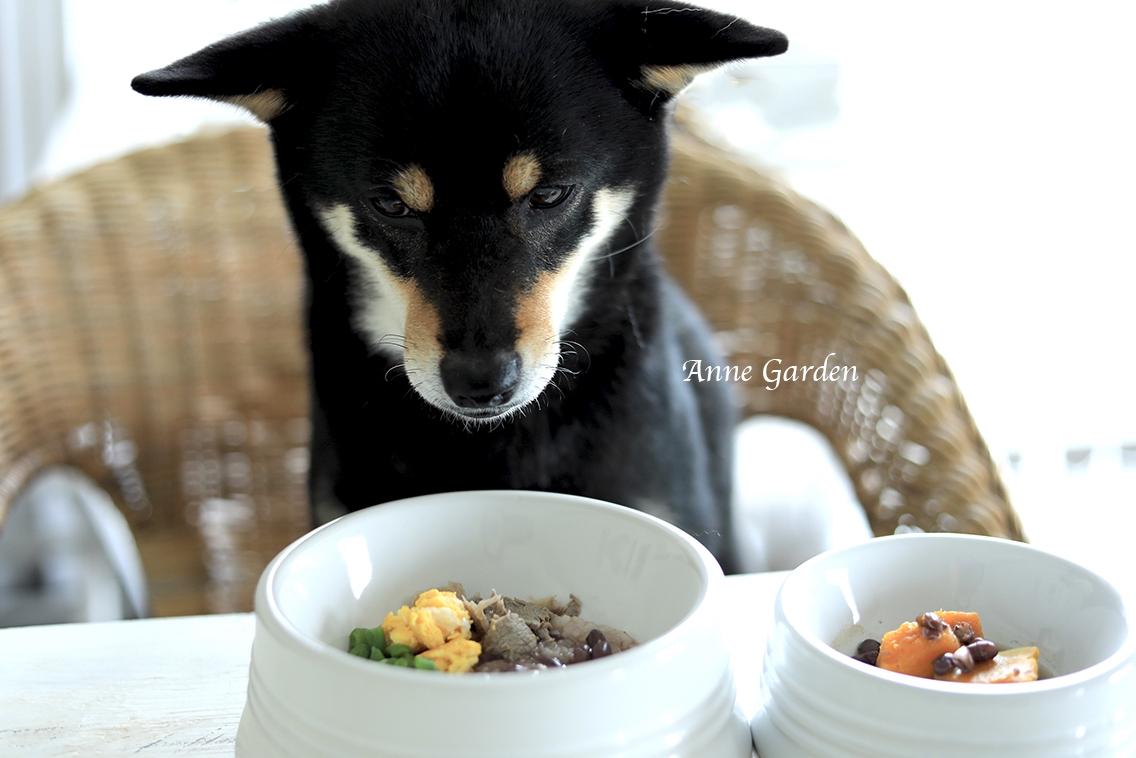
{"x":415,"y":188}
{"x":521,"y":174}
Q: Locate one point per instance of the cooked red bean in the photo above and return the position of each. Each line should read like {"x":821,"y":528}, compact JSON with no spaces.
{"x":869,"y":646}
{"x":964,"y":632}
{"x":982,"y":650}
{"x":943,"y":664}
{"x":580,"y":654}
{"x":868,"y":652}
{"x":598,"y":643}
{"x":963,"y":659}
{"x":933,"y":626}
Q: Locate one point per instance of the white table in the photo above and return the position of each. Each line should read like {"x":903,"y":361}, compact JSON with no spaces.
{"x":176,"y":686}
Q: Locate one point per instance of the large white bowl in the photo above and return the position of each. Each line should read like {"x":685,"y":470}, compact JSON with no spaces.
{"x":673,"y":695}
{"x":820,"y":703}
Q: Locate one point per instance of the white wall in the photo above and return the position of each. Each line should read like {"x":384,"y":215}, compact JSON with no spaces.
{"x":984,"y":153}
{"x":112,"y":41}
{"x":32,"y":86}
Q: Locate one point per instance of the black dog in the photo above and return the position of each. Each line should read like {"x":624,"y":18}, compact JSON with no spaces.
{"x":474,"y":185}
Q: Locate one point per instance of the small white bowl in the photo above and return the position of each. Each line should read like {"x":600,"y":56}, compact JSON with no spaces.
{"x":817,"y":702}
{"x":673,"y":695}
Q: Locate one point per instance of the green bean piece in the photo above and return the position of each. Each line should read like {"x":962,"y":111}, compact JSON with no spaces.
{"x":377,"y":637}
{"x":362,"y":650}
{"x":398,"y":651}
{"x":376,"y":654}
{"x":359,"y":636}
{"x":405,"y":662}
{"x":424,"y":663}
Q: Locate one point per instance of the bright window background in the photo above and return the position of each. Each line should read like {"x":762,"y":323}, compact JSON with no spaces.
{"x":982,"y":151}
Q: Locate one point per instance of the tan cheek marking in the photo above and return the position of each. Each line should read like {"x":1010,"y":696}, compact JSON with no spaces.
{"x":422,"y":327}
{"x":534,"y":318}
{"x":265,"y":105}
{"x":415,"y":188}
{"x":670,"y":79}
{"x":521,"y":174}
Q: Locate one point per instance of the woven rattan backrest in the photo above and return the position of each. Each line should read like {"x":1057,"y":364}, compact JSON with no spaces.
{"x":150,"y":334}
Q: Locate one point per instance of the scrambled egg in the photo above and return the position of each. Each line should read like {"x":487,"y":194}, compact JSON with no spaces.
{"x":456,"y":656}
{"x":436,"y":619}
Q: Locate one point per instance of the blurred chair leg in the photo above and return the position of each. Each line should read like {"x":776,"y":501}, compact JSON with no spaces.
{"x":67,"y":554}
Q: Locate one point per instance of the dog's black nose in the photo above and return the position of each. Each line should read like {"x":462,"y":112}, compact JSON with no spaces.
{"x":481,"y":380}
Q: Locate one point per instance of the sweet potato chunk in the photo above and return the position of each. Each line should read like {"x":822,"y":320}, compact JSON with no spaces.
{"x":1017,"y":665}
{"x":953,"y":618}
{"x":907,"y":650}
{"x":949,"y":646}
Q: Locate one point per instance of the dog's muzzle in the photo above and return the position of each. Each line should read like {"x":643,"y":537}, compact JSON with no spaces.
{"x":481,"y":379}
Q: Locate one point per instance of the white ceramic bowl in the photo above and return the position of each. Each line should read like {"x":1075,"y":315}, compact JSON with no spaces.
{"x":673,"y":695}
{"x":818,"y":702}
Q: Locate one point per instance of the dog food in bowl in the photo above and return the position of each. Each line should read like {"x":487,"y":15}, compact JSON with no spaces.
{"x":444,"y":630}
{"x":949,"y":646}
{"x":1081,"y":624}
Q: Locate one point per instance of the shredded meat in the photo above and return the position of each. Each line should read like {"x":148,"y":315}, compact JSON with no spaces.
{"x":533,"y":614}
{"x":510,"y":639}
{"x":518,"y":635}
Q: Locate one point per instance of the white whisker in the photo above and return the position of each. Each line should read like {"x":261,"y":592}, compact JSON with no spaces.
{"x":633,"y":244}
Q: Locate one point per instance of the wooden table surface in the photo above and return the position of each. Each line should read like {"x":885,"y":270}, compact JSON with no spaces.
{"x":176,"y":686}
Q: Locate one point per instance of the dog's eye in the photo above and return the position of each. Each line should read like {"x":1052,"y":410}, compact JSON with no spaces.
{"x":390,"y":204}
{"x":549,"y":197}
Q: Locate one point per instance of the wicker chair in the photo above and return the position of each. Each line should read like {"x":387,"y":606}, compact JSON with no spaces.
{"x":150,"y":336}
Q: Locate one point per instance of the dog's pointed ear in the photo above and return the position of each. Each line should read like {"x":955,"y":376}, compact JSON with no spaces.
{"x":670,"y":43}
{"x":257,"y":69}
